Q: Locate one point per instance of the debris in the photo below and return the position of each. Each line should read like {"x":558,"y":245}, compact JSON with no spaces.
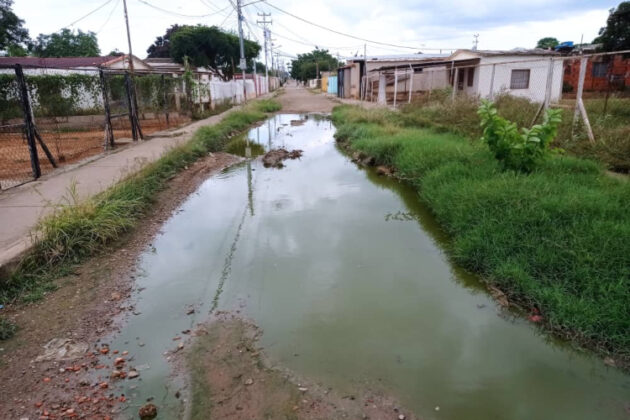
{"x":274,"y":158}
{"x":302,"y":389}
{"x":148,"y":411}
{"x":609,"y":361}
{"x":401,"y":417}
{"x":437,"y":408}
{"x":295,"y":123}
{"x":62,"y":349}
{"x":119,"y":361}
{"x":383,"y":170}
{"x":499,"y":296}
{"x":249,"y":381}
{"x":116,"y":296}
{"x":535,"y":318}
{"x":133,"y":374}
{"x":190,"y":311}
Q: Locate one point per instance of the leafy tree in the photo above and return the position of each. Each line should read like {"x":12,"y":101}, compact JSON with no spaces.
{"x":305,"y":67}
{"x":161,"y":48}
{"x":13,"y":36}
{"x":547,"y":42}
{"x":518,"y":151}
{"x":616,"y":35}
{"x":67,"y":43}
{"x":116,"y":52}
{"x":210,"y":46}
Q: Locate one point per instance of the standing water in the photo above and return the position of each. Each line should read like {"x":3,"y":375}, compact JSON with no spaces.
{"x":345,"y":273}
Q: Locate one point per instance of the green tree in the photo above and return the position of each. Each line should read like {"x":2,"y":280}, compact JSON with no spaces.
{"x":161,"y":47}
{"x":210,"y":46}
{"x":547,"y":42}
{"x":306,"y":65}
{"x":13,"y":36}
{"x":616,"y":35}
{"x":67,"y":43}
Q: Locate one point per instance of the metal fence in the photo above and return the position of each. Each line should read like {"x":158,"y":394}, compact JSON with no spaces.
{"x":565,"y":81}
{"x":53,"y":117}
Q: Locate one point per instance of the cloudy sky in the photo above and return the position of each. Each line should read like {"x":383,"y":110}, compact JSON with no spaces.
{"x":421,"y":25}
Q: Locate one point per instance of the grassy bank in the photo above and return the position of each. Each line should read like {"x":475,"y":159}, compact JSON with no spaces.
{"x":556,"y":239}
{"x":81,"y":229}
{"x":611,"y":128}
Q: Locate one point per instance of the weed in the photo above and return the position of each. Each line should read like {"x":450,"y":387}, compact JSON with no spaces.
{"x":555,"y":239}
{"x":7,"y":329}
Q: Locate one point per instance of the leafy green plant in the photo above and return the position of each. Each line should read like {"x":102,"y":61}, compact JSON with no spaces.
{"x":518,"y":151}
{"x":7,"y":329}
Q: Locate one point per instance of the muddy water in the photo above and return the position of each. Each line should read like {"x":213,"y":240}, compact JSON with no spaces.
{"x":346,"y":274}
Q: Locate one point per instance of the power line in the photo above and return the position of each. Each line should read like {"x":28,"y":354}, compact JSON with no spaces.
{"x":88,"y":14}
{"x":348,"y":35}
{"x":180,"y":14}
{"x":226,"y":18}
{"x":109,"y":17}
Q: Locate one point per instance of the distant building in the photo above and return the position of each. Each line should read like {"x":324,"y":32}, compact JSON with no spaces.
{"x":603,"y":73}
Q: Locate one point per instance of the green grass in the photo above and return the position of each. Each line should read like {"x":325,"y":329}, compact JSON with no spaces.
{"x":611,"y":129}
{"x":557,"y":239}
{"x":81,"y":229}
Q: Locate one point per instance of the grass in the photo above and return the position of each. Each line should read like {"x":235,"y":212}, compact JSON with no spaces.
{"x":556,"y":239}
{"x":81,"y":229}
{"x":611,"y":129}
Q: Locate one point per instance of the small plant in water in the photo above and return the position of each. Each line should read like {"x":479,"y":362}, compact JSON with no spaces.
{"x":518,"y":151}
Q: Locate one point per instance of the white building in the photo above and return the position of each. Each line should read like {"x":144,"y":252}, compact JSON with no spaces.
{"x":533,"y":74}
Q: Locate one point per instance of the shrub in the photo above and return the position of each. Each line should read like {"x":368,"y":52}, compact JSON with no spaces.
{"x":517,"y":151}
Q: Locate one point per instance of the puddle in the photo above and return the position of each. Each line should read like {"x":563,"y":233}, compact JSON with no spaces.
{"x":345,"y":273}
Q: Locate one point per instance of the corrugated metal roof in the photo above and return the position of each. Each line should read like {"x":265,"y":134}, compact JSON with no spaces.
{"x":399,"y":57}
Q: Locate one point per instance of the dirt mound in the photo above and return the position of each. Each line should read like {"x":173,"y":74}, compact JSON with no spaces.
{"x":274,"y":158}
{"x":232,"y":379}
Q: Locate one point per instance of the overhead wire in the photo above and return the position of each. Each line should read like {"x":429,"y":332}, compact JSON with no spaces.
{"x":111,"y":13}
{"x":170,"y":12}
{"x":369,"y":41}
{"x":86,"y":15}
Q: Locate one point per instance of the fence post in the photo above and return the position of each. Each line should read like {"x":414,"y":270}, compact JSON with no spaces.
{"x":134,"y":133}
{"x":109,"y":132}
{"x":491,"y":94}
{"x":579,"y":104}
{"x":165,"y":99}
{"x":549,"y":83}
{"x":455,"y":83}
{"x":395,"y":85}
{"x":410,"y":83}
{"x":382,"y":89}
{"x":28,"y":121}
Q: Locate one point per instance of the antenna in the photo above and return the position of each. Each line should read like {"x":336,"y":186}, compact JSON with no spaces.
{"x":475,"y":42}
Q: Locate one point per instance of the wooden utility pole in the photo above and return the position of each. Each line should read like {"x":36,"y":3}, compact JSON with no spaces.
{"x":130,"y":58}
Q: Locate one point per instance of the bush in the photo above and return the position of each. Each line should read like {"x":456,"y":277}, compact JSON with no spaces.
{"x":517,"y":151}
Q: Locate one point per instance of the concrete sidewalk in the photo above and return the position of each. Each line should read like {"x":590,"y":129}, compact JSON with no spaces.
{"x":22,"y":207}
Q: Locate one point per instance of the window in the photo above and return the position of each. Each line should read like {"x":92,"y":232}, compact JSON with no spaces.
{"x":520,"y":79}
{"x":471,"y":76}
{"x":600,"y":69}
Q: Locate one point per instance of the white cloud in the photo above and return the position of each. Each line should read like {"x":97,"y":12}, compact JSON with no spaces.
{"x":423,"y":24}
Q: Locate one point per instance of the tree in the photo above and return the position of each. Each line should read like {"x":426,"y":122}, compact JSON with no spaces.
{"x":547,"y":42}
{"x":616,"y":35}
{"x":210,"y":46}
{"x":13,"y":36}
{"x":161,"y":48}
{"x":306,"y":65}
{"x":67,"y":43}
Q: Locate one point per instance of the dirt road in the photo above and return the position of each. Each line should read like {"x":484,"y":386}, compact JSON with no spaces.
{"x":299,"y":100}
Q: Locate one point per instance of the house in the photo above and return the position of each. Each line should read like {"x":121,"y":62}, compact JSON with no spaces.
{"x":603,"y":73}
{"x":68,"y":65}
{"x":533,"y":74}
{"x":351,"y":78}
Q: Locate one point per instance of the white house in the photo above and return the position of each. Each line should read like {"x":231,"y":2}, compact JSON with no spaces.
{"x":533,"y":74}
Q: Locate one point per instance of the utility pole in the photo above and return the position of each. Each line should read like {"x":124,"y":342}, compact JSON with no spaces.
{"x":267,"y":36}
{"x":243,"y":62}
{"x":130,"y":59}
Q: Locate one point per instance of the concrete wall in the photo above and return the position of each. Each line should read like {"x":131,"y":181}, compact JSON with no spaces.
{"x":503,"y":66}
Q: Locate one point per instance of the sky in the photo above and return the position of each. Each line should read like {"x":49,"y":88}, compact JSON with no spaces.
{"x":409,"y":26}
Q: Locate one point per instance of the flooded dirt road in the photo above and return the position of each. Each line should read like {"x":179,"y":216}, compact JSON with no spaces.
{"x":345,"y":273}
